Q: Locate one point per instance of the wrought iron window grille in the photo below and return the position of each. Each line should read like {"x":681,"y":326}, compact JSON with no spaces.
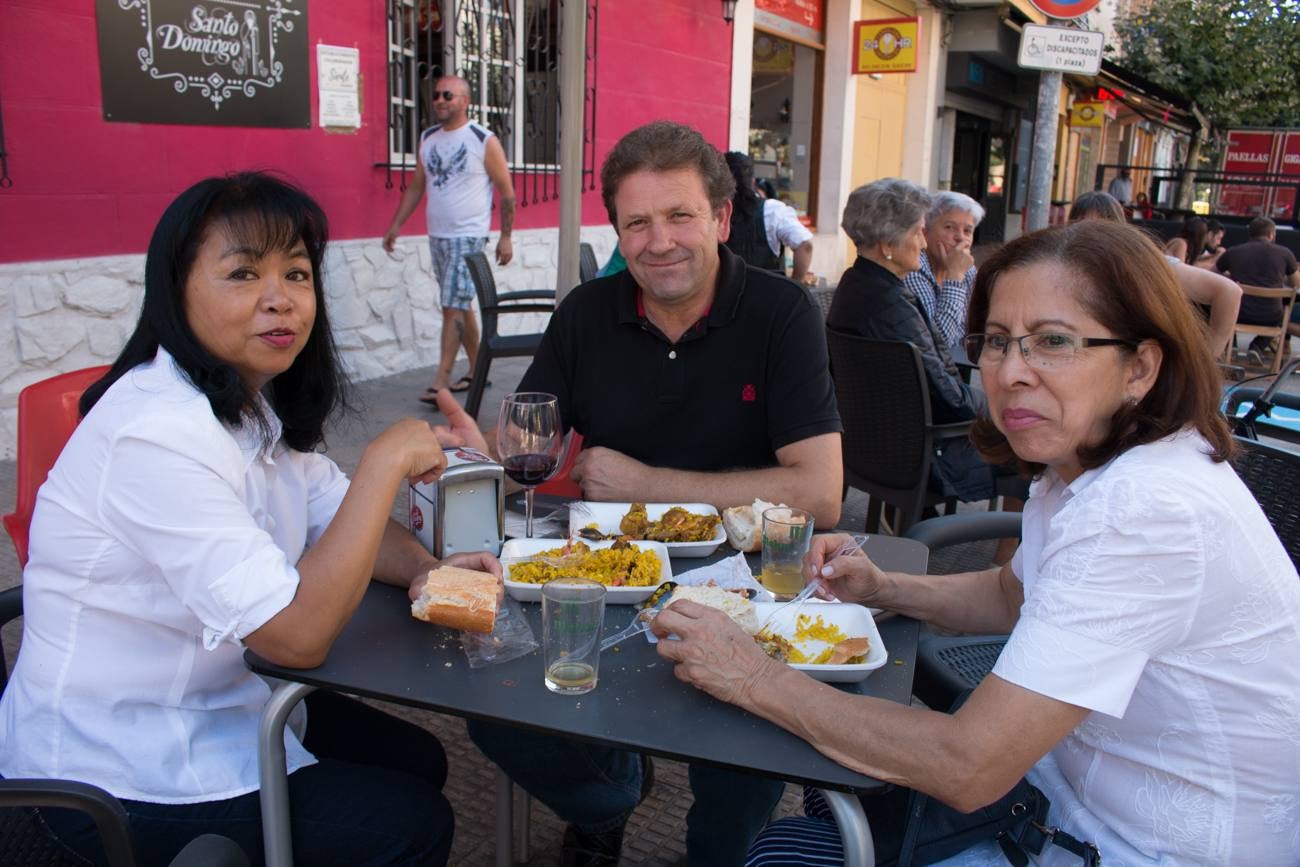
{"x":509,"y":52}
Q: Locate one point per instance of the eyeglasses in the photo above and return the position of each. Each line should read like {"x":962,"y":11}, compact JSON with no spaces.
{"x":448,"y":95}
{"x":1045,"y":350}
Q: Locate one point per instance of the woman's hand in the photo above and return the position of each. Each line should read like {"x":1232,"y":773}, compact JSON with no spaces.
{"x":480,"y":561}
{"x":414,"y":448}
{"x":712,"y":653}
{"x":848,"y":577}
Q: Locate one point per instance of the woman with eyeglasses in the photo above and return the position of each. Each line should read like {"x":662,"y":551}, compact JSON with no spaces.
{"x":1149,"y":684}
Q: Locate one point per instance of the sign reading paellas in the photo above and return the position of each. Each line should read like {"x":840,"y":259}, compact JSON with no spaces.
{"x":885,"y":45}
{"x":1061,"y":48}
{"x":236,"y":63}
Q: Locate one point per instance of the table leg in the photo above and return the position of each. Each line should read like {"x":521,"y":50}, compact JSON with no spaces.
{"x":277,"y":841}
{"x":855,"y":833}
{"x":504,"y":820}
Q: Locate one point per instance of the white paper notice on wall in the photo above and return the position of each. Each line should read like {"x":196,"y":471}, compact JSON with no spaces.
{"x":338,"y":74}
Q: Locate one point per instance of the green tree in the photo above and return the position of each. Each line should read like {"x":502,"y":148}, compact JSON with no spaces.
{"x":1237,"y":60}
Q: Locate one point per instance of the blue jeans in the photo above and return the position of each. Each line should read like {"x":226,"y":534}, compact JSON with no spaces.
{"x":374,"y":797}
{"x":597,"y":788}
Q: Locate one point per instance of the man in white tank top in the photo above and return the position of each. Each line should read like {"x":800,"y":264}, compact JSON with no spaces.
{"x":461,"y":161}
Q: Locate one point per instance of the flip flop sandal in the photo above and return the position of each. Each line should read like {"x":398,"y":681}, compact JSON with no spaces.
{"x":463,"y":384}
{"x":430,"y":397}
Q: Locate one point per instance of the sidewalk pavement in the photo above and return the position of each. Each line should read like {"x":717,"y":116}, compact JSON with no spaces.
{"x":656,"y":832}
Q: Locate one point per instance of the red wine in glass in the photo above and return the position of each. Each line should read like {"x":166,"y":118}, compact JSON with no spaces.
{"x":530,"y":470}
{"x":529,"y":441}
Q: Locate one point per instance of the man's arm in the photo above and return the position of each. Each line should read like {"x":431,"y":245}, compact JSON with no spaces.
{"x":1221,"y":294}
{"x":405,"y":207}
{"x":494,"y":161}
{"x":802,"y":259}
{"x":809,"y":474}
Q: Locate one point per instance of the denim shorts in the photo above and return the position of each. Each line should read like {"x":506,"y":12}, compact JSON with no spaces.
{"x":456,"y":289}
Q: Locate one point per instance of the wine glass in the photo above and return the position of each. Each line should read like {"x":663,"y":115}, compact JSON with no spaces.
{"x":529,"y":441}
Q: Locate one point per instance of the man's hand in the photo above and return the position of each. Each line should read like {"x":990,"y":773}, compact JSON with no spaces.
{"x":606,"y":475}
{"x":461,"y":429}
{"x":712,"y":653}
{"x":950,"y":262}
{"x":505,"y":250}
{"x":390,"y":240}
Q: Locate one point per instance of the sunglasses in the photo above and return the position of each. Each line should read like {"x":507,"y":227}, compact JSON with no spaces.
{"x":448,"y":95}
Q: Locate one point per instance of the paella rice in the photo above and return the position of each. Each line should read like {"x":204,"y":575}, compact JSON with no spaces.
{"x":618,"y":566}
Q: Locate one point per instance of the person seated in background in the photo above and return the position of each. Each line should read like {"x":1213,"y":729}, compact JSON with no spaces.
{"x":943,"y":282}
{"x":1142,"y":209}
{"x":692,"y":378}
{"x":1261,"y":262}
{"x":1188,"y":246}
{"x":190,"y":517}
{"x":1148,"y":686}
{"x":1214,"y":248}
{"x":885,"y":219}
{"x":1218,"y":296}
{"x":761,"y":228}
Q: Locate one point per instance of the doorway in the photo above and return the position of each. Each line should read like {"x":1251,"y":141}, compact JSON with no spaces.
{"x":981,"y":168}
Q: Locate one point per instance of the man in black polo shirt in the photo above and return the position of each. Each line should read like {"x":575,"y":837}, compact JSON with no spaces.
{"x":692,"y":378}
{"x":1260,"y":262}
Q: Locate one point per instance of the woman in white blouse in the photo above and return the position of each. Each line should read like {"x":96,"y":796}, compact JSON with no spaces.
{"x":189,"y":517}
{"x":1150,"y":684}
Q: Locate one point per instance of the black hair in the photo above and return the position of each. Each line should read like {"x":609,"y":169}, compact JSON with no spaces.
{"x":1212,"y":225}
{"x":1261,"y":227}
{"x":263,"y":213}
{"x":745,"y":200}
{"x":1096,"y":205}
{"x":1193,"y":232}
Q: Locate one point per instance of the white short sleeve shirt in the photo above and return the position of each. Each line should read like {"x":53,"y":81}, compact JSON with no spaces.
{"x":1158,"y":596}
{"x":781,"y":223}
{"x":160,"y":540}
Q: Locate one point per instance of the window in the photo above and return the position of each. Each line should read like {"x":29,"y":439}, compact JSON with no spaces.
{"x":509,"y":52}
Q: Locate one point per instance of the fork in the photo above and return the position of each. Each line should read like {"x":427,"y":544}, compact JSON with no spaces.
{"x":850,"y":546}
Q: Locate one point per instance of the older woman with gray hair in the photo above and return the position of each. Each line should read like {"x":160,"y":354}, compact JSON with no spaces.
{"x":885,"y":219}
{"x":943,"y":282}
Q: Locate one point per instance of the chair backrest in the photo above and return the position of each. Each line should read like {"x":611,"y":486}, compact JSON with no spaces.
{"x":47,"y":415}
{"x":1273,"y":476}
{"x":560,"y":484}
{"x":824,"y":297}
{"x":884,"y":407}
{"x":587,"y":265}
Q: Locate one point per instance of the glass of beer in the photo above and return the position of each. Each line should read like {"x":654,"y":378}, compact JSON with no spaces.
{"x":573,"y":613}
{"x":786,"y":535}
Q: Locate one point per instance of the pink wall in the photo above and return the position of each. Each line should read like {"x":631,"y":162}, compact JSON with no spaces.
{"x":86,"y":187}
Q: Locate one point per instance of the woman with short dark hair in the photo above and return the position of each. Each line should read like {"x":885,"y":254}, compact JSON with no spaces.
{"x":189,"y":517}
{"x":1148,"y":686}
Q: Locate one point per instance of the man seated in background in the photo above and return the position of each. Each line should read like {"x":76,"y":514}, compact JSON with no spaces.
{"x":1260,"y":262}
{"x":943,"y":282}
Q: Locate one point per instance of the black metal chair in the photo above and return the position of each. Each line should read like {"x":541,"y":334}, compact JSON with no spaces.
{"x":1273,"y":476}
{"x":948,"y":665}
{"x":889,"y":438}
{"x":823,"y":296}
{"x":22,"y":842}
{"x":492,"y":305}
{"x":587,"y":265}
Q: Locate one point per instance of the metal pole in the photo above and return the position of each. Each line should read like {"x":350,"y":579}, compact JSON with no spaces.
{"x":573,"y":60}
{"x":1044,"y":158}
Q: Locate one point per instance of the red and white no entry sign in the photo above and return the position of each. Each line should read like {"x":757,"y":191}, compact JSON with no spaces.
{"x":1065,"y":8}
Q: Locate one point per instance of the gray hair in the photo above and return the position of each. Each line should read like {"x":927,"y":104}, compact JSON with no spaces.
{"x":946,"y":200}
{"x":884,"y":211}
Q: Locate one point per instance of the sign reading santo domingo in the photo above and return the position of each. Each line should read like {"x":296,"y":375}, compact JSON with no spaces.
{"x":219,"y":62}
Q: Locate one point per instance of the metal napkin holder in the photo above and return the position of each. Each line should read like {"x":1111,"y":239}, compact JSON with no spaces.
{"x":464,"y":509}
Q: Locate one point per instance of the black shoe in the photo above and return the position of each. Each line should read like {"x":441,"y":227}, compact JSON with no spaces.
{"x":582,"y":849}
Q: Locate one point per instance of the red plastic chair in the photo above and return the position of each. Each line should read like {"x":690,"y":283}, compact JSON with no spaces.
{"x":560,"y":485}
{"x":47,"y":415}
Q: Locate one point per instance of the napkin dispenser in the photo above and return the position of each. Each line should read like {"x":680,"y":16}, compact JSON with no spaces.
{"x":464,"y":509}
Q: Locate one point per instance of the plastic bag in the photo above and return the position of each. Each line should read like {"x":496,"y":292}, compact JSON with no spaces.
{"x":511,"y":637}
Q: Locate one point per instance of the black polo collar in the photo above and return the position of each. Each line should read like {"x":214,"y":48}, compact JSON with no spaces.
{"x":726,"y":301}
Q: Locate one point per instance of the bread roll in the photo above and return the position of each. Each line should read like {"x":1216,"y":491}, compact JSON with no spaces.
{"x":458,"y":598}
{"x":734,"y":605}
{"x":744,"y":525}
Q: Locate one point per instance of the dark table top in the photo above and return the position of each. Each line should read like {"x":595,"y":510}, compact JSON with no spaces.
{"x":638,"y":704}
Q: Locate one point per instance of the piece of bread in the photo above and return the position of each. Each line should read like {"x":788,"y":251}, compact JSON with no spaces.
{"x":458,"y":598}
{"x":734,"y":605}
{"x":744,"y":525}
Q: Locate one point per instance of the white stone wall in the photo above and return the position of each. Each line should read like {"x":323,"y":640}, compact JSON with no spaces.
{"x":67,"y":314}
